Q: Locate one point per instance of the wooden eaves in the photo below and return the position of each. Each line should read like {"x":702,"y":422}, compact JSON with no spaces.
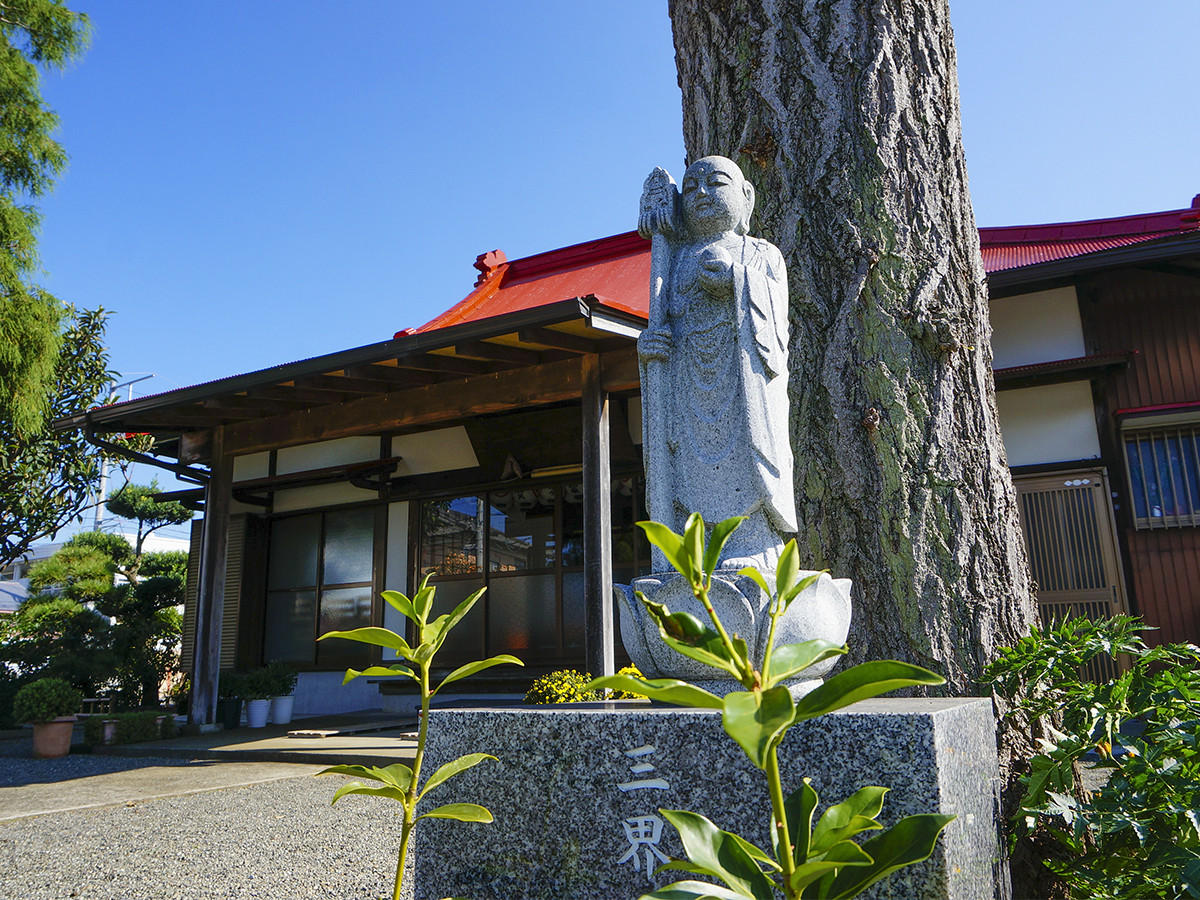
{"x":528,"y":357}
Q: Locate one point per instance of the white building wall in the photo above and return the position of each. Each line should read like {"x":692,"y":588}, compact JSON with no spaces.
{"x":1035,"y":328}
{"x":1051,"y":423}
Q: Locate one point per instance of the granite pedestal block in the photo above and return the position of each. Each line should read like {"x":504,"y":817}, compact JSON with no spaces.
{"x":576,"y":793}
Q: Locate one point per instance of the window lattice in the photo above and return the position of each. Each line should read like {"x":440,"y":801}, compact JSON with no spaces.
{"x":1164,"y":478}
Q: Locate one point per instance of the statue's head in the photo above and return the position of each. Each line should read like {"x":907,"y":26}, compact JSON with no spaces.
{"x":716,"y":198}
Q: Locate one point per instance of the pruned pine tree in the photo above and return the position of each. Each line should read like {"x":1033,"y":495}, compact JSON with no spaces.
{"x":845,"y":116}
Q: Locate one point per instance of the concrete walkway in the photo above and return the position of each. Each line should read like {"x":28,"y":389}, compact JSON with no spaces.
{"x":131,"y":773}
{"x":272,"y":744}
{"x":143,"y":779}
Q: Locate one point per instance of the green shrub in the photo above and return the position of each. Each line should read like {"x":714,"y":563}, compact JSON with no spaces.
{"x":132,"y":727}
{"x":1138,"y":835}
{"x":257,"y":684}
{"x":230,"y":685}
{"x":282,"y":677}
{"x":46,"y":699}
{"x":563,"y":686}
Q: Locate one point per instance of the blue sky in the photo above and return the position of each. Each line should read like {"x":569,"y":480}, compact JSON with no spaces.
{"x":258,"y":182}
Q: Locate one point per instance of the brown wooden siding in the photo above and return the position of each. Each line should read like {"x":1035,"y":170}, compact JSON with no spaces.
{"x":1157,"y":315}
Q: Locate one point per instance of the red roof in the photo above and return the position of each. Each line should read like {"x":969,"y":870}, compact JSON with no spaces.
{"x":616,"y":270}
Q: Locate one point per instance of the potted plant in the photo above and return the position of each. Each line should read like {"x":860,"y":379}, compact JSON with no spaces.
{"x":50,"y":704}
{"x":283,"y":680}
{"x":229,"y":699}
{"x":257,"y":689}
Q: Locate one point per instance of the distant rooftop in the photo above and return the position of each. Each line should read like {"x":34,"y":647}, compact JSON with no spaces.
{"x":616,"y":270}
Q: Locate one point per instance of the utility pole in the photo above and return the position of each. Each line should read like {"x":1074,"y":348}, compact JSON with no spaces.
{"x":102,"y":487}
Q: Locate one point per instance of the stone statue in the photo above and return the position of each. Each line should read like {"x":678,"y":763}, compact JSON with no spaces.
{"x":715,"y":439}
{"x":715,"y":419}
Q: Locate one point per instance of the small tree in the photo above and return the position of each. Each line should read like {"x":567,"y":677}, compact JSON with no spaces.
{"x":105,"y":609}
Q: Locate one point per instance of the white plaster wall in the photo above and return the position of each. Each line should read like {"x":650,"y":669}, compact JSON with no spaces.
{"x":634,"y":416}
{"x":1052,"y":423}
{"x":1034,"y":328}
{"x":395,"y":576}
{"x":326,"y":453}
{"x":322,"y":693}
{"x":252,"y":465}
{"x":320,"y":495}
{"x":434,"y":451}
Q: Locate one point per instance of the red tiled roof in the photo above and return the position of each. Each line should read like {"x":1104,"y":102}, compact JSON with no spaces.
{"x":616,"y":270}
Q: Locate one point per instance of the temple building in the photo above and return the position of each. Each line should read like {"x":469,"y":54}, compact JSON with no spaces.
{"x":498,"y":446}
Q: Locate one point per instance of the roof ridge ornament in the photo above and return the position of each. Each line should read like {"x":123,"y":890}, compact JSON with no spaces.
{"x":489,"y":264}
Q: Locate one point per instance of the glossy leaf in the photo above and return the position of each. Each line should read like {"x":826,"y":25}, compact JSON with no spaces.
{"x":685,"y":634}
{"x":695,"y":890}
{"x":866,"y":680}
{"x":798,"y":809}
{"x":357,"y":787}
{"x":401,"y":604}
{"x":908,"y":841}
{"x":671,"y":544}
{"x":667,"y":690}
{"x":756,"y":576}
{"x":757,"y":720}
{"x":787,"y":570}
{"x":460,"y":812}
{"x":379,"y":671}
{"x":423,"y":599}
{"x":846,"y":853}
{"x":844,"y":820}
{"x":790,"y":660}
{"x":716,"y":542}
{"x":380,"y":637}
{"x":693,"y":544}
{"x":478,"y":666}
{"x":397,"y":775}
{"x":719,"y":854}
{"x":452,"y":768}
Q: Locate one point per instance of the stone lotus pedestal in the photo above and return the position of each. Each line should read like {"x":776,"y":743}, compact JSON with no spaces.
{"x":576,"y":791}
{"x":821,"y":611}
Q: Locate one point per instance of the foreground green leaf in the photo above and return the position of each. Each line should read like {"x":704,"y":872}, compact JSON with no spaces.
{"x":667,"y":690}
{"x":909,"y":841}
{"x":380,"y":637}
{"x":452,"y":768}
{"x":719,"y":854}
{"x":852,"y":816}
{"x":401,"y":604}
{"x":397,"y":775}
{"x":357,"y":787}
{"x":478,"y":666}
{"x":846,"y":853}
{"x":790,"y":660}
{"x":866,"y":680}
{"x":671,"y":544}
{"x":716,"y":542}
{"x":694,"y":890}
{"x":460,"y":812}
{"x":757,"y":720}
{"x":379,"y":671}
{"x":798,"y":809}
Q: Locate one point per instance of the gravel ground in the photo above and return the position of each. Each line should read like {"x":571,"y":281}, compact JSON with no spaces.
{"x":266,"y":841}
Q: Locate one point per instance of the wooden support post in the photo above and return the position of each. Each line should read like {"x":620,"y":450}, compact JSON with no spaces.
{"x":597,"y":523}
{"x":210,"y":594}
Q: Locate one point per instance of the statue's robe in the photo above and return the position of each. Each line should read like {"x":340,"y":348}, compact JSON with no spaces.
{"x":727,"y":403}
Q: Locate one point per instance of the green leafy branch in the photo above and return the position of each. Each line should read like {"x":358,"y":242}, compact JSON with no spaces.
{"x":398,"y":781}
{"x":820,"y":860}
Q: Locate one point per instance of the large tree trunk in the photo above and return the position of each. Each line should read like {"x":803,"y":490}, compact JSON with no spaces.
{"x":845,"y":116}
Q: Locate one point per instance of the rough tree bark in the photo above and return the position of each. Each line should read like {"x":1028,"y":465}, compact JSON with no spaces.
{"x":845,"y":116}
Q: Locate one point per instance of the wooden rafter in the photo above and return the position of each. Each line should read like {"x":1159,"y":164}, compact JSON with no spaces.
{"x":498,"y":353}
{"x":456,"y":399}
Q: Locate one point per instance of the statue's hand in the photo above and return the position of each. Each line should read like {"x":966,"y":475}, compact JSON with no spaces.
{"x":654,"y":343}
{"x":716,"y":272}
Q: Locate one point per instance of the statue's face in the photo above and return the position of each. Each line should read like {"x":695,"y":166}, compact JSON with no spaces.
{"x":714,"y":196}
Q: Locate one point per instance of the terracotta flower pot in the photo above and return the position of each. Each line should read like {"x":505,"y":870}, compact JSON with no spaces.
{"x":53,"y":739}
